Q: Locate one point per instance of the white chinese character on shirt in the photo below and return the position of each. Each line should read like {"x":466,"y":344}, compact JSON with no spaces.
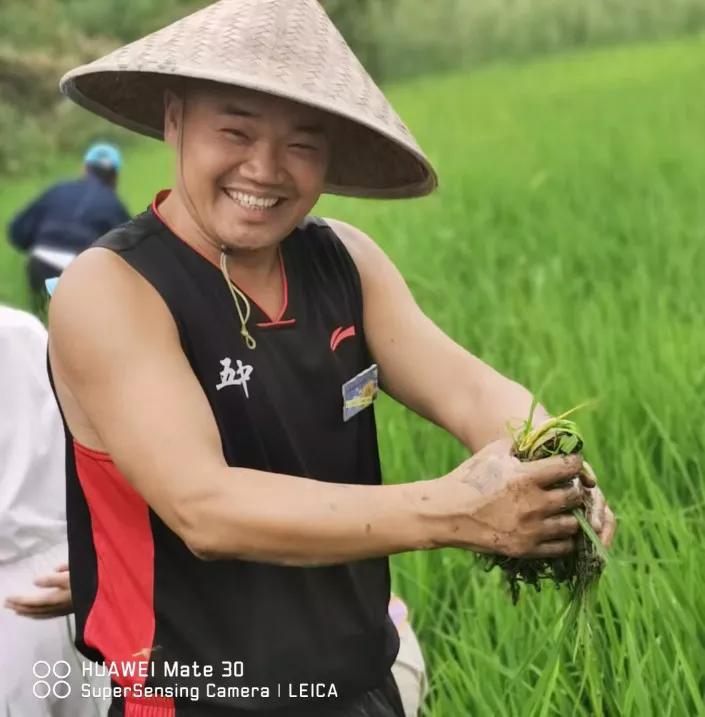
{"x":234,"y":377}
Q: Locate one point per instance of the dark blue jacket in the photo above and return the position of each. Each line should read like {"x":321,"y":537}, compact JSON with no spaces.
{"x":70,"y":216}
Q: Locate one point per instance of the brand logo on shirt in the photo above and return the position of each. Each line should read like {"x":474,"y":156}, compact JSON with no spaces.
{"x":230,"y":376}
{"x":339,"y":335}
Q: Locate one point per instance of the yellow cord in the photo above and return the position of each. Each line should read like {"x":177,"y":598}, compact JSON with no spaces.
{"x":237,"y":297}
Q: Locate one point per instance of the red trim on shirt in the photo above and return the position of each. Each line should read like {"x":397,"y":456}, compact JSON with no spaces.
{"x":92,"y":452}
{"x":276,"y":324}
{"x":121,"y":622}
{"x":271,"y":322}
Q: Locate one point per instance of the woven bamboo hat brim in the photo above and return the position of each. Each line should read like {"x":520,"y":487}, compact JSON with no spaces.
{"x":287,"y":48}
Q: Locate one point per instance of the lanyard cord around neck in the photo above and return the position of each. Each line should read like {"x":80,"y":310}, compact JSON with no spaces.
{"x":238,"y":296}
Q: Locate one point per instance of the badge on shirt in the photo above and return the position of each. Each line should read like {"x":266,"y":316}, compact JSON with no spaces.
{"x":360,"y":392}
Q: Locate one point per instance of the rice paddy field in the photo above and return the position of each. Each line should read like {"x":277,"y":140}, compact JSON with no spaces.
{"x":566,"y":247}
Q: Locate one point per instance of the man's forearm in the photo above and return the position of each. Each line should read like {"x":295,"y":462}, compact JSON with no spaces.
{"x":498,"y":402}
{"x":269,"y":517}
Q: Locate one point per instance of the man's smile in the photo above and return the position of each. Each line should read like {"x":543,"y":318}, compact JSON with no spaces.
{"x":253,"y":202}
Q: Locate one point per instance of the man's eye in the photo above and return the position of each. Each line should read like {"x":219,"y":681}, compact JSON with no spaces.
{"x":236,"y":133}
{"x":299,"y":145}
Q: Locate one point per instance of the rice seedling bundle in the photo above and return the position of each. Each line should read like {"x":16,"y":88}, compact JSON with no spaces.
{"x":580,"y":569}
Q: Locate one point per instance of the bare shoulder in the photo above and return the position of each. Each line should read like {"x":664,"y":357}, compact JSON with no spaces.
{"x":377,"y":270}
{"x":94,"y":273}
{"x":355,"y":239}
{"x":98,"y":297}
{"x":365,"y":252}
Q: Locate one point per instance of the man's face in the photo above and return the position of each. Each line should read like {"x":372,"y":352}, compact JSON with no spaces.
{"x":251,"y":164}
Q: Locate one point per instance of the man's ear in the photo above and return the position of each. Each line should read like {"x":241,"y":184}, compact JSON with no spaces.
{"x":172,"y":117}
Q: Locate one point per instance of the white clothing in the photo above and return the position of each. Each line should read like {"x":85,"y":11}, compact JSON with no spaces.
{"x":32,"y":474}
{"x":32,"y":527}
{"x":29,"y":645}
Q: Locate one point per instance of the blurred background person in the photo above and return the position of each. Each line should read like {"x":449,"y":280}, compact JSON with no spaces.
{"x":33,"y":549}
{"x":68,"y":217}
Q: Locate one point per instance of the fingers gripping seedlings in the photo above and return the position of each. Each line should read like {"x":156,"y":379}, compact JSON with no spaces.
{"x":580,"y":568}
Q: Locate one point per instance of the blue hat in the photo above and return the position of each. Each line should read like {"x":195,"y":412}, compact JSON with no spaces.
{"x":103,"y":156}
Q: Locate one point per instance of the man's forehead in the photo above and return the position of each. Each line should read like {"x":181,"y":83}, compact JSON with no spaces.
{"x":233,"y":100}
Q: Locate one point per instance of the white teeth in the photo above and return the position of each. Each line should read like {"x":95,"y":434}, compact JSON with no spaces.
{"x":249,"y":201}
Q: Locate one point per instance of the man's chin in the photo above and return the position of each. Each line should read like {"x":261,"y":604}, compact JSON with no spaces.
{"x":241,"y":235}
{"x":249,"y":240}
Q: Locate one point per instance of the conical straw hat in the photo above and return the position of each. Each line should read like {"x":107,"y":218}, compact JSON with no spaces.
{"x":288,"y":48}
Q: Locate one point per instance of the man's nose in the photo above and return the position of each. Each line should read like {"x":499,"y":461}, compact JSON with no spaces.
{"x":263,"y":164}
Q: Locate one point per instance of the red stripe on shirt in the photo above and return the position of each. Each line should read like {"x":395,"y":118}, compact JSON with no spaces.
{"x":149,"y":707}
{"x":121,"y":622}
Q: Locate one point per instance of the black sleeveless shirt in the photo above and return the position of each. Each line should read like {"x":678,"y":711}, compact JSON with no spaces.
{"x":278,"y":408}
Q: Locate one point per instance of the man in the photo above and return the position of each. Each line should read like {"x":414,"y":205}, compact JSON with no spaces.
{"x":68,"y":218}
{"x":33,"y":533}
{"x":216,"y":360}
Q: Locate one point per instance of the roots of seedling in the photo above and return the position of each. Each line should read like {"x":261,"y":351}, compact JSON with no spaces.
{"x":579,"y":570}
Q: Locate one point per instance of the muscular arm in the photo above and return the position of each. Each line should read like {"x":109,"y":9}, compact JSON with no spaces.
{"x":422,"y":367}
{"x":115,"y":349}
{"x":434,"y":376}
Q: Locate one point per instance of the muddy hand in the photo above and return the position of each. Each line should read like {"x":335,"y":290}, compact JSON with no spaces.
{"x":515,"y":508}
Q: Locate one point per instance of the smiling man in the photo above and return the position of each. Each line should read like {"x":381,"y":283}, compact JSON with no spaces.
{"x":216,"y":360}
